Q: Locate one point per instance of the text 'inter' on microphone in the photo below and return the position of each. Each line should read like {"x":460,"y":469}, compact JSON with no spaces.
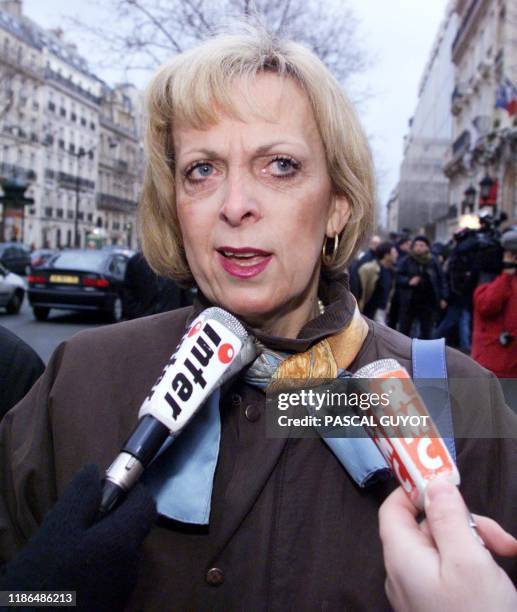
{"x":213,"y":349}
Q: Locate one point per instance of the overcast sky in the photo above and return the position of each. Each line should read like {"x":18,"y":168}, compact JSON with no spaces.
{"x":398,"y":34}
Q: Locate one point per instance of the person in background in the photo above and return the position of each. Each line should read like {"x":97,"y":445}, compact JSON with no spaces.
{"x":377,"y":278}
{"x":20,"y":368}
{"x":368,"y":255}
{"x":461,"y":277}
{"x":403,"y":245}
{"x":146,"y":293}
{"x":422,"y":288}
{"x":494,"y":337}
{"x":437,"y":564}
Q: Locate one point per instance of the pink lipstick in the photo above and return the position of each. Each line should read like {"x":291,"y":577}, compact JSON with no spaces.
{"x":243,"y":262}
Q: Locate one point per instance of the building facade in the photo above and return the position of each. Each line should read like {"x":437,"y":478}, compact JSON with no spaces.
{"x":482,"y":161}
{"x":422,"y":191}
{"x":71,"y":137}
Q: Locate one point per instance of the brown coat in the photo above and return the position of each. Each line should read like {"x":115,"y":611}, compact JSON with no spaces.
{"x":289,"y":529}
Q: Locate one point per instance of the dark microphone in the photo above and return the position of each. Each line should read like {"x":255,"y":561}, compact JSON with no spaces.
{"x":213,"y":349}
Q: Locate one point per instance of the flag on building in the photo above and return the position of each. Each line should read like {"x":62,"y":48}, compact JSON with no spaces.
{"x":506,"y":97}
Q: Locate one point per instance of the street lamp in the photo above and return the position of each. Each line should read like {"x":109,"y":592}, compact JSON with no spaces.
{"x":470,"y":197}
{"x":129,"y":230}
{"x":485,"y":186}
{"x":78,"y":155}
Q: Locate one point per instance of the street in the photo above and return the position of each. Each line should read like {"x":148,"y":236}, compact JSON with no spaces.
{"x":45,"y":336}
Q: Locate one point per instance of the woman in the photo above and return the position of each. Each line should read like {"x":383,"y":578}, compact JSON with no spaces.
{"x":259,"y":189}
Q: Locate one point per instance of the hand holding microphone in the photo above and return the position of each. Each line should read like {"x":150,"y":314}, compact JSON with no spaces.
{"x":73,"y":552}
{"x":437,"y":564}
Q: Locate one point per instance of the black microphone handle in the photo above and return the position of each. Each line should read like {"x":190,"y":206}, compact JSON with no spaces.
{"x":138,"y":451}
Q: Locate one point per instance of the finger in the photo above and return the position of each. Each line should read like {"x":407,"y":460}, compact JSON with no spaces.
{"x":399,"y":531}
{"x":447,"y":518}
{"x":133,"y":517}
{"x":496,"y":539}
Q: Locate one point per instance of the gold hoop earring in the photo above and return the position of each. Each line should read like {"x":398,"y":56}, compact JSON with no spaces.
{"x":327,"y":259}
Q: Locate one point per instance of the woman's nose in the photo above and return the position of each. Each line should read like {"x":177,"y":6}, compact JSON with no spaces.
{"x":240,"y":204}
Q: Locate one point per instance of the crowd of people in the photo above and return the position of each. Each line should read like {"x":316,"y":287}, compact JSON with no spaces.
{"x":431,"y":290}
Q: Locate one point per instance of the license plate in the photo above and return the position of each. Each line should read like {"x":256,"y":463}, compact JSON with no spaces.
{"x":64,"y":278}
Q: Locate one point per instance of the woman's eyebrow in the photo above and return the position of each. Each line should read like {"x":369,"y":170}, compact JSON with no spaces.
{"x":261,"y":150}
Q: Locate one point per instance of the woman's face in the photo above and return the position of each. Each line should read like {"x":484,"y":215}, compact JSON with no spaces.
{"x":254,"y":202}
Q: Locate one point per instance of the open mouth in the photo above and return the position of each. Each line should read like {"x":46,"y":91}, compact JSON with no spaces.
{"x":243,"y":256}
{"x":245,"y":262}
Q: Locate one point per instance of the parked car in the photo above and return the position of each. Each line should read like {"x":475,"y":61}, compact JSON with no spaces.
{"x":15,"y":257}
{"x":12,"y":290}
{"x":40,"y":256}
{"x":79,"y":279}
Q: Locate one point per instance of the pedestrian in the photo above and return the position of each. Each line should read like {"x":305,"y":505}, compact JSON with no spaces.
{"x":259,"y":187}
{"x":494,"y":337}
{"x":20,"y":368}
{"x":461,"y":277}
{"x":355,"y":266}
{"x":377,"y":278}
{"x":403,"y":245}
{"x":422,"y":288}
{"x":146,"y":293}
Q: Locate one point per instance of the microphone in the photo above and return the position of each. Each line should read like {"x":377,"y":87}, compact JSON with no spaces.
{"x":213,"y":349}
{"x":404,"y":431}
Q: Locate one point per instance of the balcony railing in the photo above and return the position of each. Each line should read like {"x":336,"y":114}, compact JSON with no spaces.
{"x":12,"y":171}
{"x":58,"y":78}
{"x":105,"y":201}
{"x":70,"y":181}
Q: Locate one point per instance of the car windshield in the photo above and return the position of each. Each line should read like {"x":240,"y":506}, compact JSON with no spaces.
{"x":79,"y":260}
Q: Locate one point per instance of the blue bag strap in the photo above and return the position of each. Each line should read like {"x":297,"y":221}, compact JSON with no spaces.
{"x":430,"y":378}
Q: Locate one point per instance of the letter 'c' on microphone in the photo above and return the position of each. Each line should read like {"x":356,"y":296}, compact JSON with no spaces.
{"x":213,"y":349}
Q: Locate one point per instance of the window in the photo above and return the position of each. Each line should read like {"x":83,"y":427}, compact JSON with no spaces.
{"x":59,"y":213}
{"x":51,"y":106}
{"x":72,"y":147}
{"x":92,"y":125}
{"x":62,"y":112}
{"x":69,"y":214}
{"x":90,"y":217}
{"x":73,"y":117}
{"x":80,"y":216}
{"x":61,"y":144}
{"x":48,"y":211}
{"x":83,"y":121}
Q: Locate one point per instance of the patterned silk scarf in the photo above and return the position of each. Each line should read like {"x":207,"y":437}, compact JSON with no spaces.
{"x":181,"y":477}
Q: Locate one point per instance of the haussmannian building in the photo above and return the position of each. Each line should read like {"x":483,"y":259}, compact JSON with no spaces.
{"x":482,"y":161}
{"x":70,"y":137}
{"x":421,"y":194}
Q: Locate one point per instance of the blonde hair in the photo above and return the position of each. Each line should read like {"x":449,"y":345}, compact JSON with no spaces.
{"x":195,"y":87}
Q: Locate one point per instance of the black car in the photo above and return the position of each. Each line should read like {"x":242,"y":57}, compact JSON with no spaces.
{"x":79,"y":279}
{"x":15,"y":257}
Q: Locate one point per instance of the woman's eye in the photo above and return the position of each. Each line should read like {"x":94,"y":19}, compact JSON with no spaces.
{"x":284,"y":166}
{"x":199,"y":171}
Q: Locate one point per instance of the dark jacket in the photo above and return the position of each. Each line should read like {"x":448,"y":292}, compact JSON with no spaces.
{"x":145,"y":293}
{"x":432,"y":274}
{"x":289,"y":530}
{"x":20,"y":368}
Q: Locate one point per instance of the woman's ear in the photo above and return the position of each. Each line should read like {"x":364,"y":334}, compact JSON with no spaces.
{"x":338,"y":215}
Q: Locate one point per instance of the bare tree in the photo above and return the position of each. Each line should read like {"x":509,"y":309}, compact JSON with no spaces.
{"x":148,"y":32}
